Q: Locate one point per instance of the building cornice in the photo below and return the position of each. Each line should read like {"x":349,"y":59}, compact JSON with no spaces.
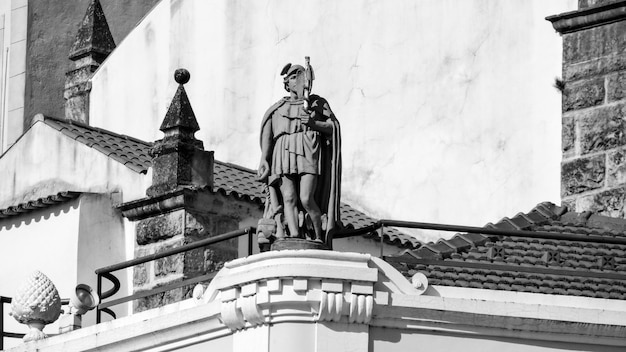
{"x":345,"y":291}
{"x":188,"y":198}
{"x":589,"y":17}
{"x":150,"y":206}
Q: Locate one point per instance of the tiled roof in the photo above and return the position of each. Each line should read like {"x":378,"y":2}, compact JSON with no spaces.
{"x":540,"y":265}
{"x":237,"y":181}
{"x":40,"y":203}
{"x":129,"y":151}
{"x":229,"y":179}
{"x":354,"y":218}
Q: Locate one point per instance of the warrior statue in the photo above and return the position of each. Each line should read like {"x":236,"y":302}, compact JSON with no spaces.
{"x":300,"y":163}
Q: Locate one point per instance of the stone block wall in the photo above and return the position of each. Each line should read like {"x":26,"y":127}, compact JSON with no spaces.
{"x":589,"y":3}
{"x":593,"y":170}
{"x":171,"y":230}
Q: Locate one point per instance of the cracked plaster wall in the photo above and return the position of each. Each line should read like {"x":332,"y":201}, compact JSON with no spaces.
{"x":447,"y":107}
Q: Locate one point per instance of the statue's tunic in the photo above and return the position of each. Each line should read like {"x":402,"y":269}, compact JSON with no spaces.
{"x":296,"y":147}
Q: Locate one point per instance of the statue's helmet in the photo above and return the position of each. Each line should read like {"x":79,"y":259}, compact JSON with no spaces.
{"x":290,"y":69}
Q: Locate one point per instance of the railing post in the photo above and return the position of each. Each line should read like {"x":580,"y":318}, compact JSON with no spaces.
{"x":1,"y":323}
{"x":382,"y":231}
{"x":106,"y":272}
{"x":99,"y":290}
{"x":250,"y":242}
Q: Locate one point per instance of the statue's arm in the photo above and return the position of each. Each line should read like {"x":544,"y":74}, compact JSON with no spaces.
{"x":324,"y":127}
{"x":266,"y":150}
{"x":266,"y":140}
{"x":319,"y":119}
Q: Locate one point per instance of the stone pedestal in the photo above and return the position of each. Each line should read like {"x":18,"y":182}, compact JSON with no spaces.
{"x":297,"y":243}
{"x":173,"y":220}
{"x":181,"y":208}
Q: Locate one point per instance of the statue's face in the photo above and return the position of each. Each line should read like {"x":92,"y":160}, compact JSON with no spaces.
{"x":296,"y":83}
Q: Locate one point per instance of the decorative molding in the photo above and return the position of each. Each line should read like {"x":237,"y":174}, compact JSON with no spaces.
{"x":251,"y":310}
{"x":590,"y":17}
{"x":308,"y":285}
{"x":186,"y":197}
{"x":331,"y":306}
{"x":257,"y":303}
{"x":361,"y":307}
{"x":36,"y":303}
{"x":232,"y":316}
{"x":151,"y":206}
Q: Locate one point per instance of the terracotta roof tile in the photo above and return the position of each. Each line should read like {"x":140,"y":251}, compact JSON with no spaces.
{"x":111,"y":144}
{"x":36,"y":204}
{"x":229,"y":179}
{"x":536,"y":265}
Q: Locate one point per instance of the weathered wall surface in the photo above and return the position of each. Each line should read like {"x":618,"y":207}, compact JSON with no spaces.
{"x":45,"y":162}
{"x":13,"y":71}
{"x":594,"y":112}
{"x":210,"y":214}
{"x":54,"y":24}
{"x":101,"y":242}
{"x":447,"y":107}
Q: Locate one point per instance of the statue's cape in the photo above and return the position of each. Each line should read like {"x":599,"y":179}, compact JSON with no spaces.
{"x":268,"y":115}
{"x":328,"y":189}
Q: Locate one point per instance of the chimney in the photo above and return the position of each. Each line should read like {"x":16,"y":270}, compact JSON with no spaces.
{"x":92,"y":45}
{"x":593,"y":170}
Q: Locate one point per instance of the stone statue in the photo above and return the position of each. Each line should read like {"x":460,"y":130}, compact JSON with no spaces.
{"x":300,"y":163}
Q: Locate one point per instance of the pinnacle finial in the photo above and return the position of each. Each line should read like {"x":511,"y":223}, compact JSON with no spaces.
{"x":182,"y":76}
{"x":180,"y":114}
{"x":94,"y":36}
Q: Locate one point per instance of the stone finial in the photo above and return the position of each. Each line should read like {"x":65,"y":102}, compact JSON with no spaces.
{"x":179,"y":159}
{"x":36,"y":303}
{"x":94,"y":37}
{"x":92,"y":45}
{"x":180,"y":114}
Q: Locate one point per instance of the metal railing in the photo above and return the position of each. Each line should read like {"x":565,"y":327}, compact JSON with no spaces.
{"x":379,"y":226}
{"x":14,"y":335}
{"x":500,"y":232}
{"x":3,"y":333}
{"x":481,"y":230}
{"x":106,"y":272}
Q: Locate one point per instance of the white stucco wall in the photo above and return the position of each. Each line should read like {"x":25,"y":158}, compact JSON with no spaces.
{"x":44,"y":162}
{"x":102,"y":242}
{"x":396,"y":340}
{"x":69,"y":241}
{"x":447,"y":107}
{"x":45,"y":240}
{"x":66,"y":242}
{"x":13,"y":33}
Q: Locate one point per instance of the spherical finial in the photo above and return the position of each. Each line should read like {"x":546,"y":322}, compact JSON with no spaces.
{"x":182,"y":76}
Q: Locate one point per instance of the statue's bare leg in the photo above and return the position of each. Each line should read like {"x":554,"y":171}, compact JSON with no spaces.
{"x":290,"y":201}
{"x":308,"y":182}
